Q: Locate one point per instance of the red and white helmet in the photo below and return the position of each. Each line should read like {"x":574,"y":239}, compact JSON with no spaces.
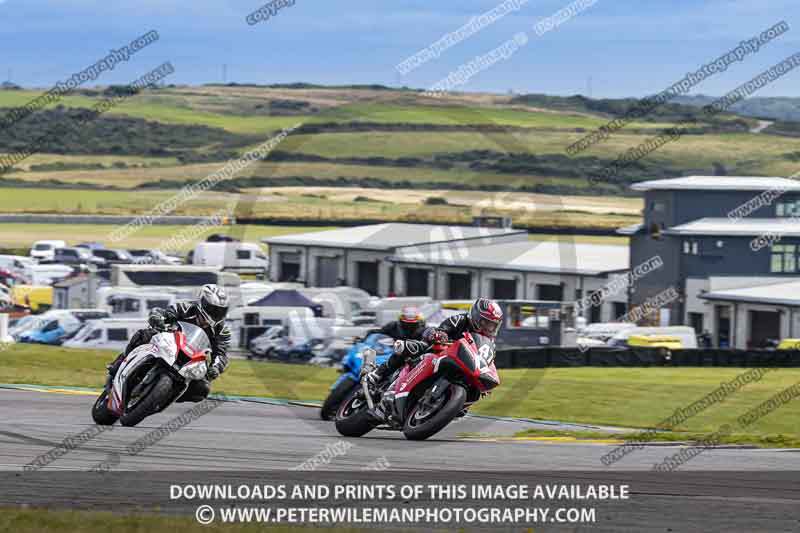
{"x":411,"y":320}
{"x":486,"y":317}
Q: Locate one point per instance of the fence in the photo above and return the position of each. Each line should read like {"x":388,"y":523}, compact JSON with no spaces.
{"x":642,"y":357}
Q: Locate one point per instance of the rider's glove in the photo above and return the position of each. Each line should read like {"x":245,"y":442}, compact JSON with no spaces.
{"x":437,"y":337}
{"x":213,"y":373}
{"x":156,"y":321}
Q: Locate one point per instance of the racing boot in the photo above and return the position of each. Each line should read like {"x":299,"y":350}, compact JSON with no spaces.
{"x":112,"y":368}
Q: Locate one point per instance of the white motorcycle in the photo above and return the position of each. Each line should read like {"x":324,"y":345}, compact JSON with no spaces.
{"x":154,"y":375}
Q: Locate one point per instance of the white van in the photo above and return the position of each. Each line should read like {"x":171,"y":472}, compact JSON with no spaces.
{"x":16,"y":263}
{"x":46,"y":249}
{"x":106,"y":334}
{"x":234,"y":256}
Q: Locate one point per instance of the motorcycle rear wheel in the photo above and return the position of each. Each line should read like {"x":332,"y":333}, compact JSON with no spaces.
{"x":158,"y":397}
{"x":352,"y":419}
{"x":420,"y":425}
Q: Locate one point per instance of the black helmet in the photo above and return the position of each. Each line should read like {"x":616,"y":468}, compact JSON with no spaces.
{"x":485,"y":317}
{"x":213,"y":304}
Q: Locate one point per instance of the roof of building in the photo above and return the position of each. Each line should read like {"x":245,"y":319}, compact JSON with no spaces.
{"x":529,"y":256}
{"x":744,"y":227}
{"x":633,"y":229}
{"x":716,"y":183}
{"x":71,"y":281}
{"x":783,"y":293}
{"x":389,"y":236}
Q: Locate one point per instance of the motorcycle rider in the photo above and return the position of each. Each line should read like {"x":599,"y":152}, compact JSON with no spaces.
{"x":484,"y":318}
{"x":209,"y":314}
{"x":410,"y":324}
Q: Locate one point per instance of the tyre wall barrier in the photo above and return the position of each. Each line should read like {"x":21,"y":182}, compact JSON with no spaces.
{"x":556,"y":356}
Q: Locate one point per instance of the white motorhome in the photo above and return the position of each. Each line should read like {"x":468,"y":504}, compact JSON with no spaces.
{"x":106,"y":334}
{"x":184,"y":281}
{"x":348,"y":303}
{"x":132,"y":302}
{"x":233,"y":256}
{"x":46,"y":249}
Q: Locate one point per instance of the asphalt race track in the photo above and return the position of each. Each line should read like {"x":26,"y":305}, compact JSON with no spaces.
{"x":244,"y":435}
{"x":254,"y":438}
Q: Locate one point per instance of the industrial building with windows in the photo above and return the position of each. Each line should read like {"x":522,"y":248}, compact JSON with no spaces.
{"x":452,"y":263}
{"x":733,"y":261}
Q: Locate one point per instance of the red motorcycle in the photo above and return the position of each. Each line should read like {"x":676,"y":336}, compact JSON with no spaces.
{"x":428,"y":393}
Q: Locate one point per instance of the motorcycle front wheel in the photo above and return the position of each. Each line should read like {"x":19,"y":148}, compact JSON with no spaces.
{"x":158,"y":398}
{"x":352,"y":419}
{"x":335,"y":398}
{"x":101,"y":414}
{"x":428,"y":417}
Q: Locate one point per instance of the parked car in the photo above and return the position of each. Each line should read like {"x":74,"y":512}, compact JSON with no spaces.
{"x":153,"y":257}
{"x":16,"y":264}
{"x":45,"y":250}
{"x":113,"y":257}
{"x":221,"y":237}
{"x":90,"y":245}
{"x":76,"y":256}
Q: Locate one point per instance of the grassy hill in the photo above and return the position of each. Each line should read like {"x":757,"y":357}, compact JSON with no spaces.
{"x":372,"y":138}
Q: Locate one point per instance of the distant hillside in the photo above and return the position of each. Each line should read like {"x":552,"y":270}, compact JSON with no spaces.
{"x":378,"y":137}
{"x":776,"y":108}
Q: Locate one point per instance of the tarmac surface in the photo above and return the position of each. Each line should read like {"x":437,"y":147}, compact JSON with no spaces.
{"x":242,"y":440}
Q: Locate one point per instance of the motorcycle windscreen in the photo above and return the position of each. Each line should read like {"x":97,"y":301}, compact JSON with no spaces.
{"x":196,"y":338}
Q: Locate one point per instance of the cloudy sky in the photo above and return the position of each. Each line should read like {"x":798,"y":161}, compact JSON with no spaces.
{"x":626,"y":47}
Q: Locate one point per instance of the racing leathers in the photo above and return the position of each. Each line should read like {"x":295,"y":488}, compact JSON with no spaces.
{"x":396,"y":330}
{"x":453,"y":328}
{"x":219,"y":335}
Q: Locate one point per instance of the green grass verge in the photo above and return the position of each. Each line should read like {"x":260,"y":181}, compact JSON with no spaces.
{"x":625,"y":397}
{"x":693,"y":437}
{"x":50,"y":521}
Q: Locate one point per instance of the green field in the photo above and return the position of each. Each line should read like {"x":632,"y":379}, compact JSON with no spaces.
{"x":626,"y":397}
{"x":21,"y":236}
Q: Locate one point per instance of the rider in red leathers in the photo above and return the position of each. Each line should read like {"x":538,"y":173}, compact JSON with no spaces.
{"x":484,"y":317}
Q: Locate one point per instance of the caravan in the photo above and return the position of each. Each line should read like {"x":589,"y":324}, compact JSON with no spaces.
{"x":132,"y":302}
{"x":234,"y":256}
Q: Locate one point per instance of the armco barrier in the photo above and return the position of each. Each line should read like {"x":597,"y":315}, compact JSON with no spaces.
{"x":642,"y":357}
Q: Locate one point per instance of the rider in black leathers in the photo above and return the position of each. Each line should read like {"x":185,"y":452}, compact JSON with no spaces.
{"x":484,"y":317}
{"x":409,"y":325}
{"x":208,"y":313}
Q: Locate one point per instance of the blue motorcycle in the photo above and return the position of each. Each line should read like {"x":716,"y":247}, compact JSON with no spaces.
{"x":351,"y":371}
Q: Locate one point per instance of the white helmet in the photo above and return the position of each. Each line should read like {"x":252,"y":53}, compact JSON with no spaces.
{"x":213,"y":304}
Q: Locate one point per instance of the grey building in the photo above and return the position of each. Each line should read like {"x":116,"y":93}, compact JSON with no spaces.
{"x":359,"y":256}
{"x":519,"y":270}
{"x":717,"y":234}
